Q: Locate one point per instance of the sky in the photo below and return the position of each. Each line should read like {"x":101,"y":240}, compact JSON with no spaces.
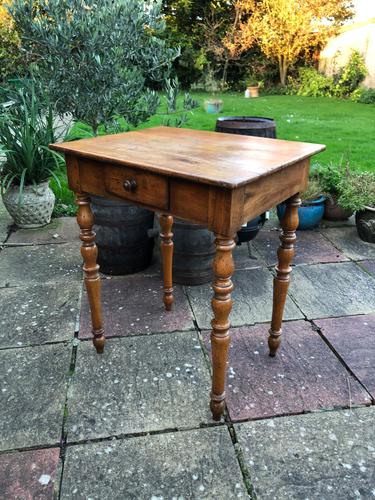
{"x":365,"y":9}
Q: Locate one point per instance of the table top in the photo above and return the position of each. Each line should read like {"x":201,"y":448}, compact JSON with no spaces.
{"x":227,"y":160}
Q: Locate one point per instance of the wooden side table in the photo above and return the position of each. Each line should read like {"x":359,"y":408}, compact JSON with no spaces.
{"x":217,"y":180}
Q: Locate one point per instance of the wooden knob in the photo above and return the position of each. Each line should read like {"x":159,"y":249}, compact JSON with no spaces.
{"x":130,"y":185}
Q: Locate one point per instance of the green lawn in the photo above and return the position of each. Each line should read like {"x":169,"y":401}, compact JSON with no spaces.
{"x":346,"y":128}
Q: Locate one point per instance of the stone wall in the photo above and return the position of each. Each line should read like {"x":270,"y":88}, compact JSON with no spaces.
{"x":360,"y":37}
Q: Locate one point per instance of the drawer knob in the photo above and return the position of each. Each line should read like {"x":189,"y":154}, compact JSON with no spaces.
{"x":130,"y":185}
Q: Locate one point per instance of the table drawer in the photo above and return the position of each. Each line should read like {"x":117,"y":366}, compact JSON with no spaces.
{"x":138,"y":186}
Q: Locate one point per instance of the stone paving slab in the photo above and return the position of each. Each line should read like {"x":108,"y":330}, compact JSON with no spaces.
{"x":5,"y":222}
{"x":192,"y":464}
{"x":325,"y":290}
{"x":133,"y":305}
{"x":25,"y":266}
{"x":139,"y":384}
{"x":328,"y":455}
{"x":33,"y":390}
{"x":28,"y":475}
{"x":252,"y":300}
{"x":347,"y":240}
{"x":38,"y":314}
{"x":311,"y":248}
{"x":369,"y":265}
{"x":61,"y":230}
{"x":353,"y":338}
{"x":242,"y":260}
{"x":304,"y":376}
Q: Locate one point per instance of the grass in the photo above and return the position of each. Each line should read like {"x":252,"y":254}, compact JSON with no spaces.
{"x":345,"y":127}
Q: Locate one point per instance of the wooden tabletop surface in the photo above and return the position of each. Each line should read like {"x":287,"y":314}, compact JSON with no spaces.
{"x":207,"y":157}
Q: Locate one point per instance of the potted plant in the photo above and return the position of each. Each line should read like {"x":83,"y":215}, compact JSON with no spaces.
{"x":26,"y":129}
{"x":330,"y":177}
{"x":358,"y":194}
{"x":212,"y":105}
{"x":253,"y":87}
{"x":311,"y":211}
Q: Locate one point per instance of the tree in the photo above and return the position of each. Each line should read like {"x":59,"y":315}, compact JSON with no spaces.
{"x":286,"y":29}
{"x":99,"y":60}
{"x":198,"y":27}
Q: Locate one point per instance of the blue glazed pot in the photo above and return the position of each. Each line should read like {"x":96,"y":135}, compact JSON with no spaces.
{"x":310,"y":213}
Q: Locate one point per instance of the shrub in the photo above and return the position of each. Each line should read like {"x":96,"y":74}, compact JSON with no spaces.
{"x":351,"y":75}
{"x":367,"y":96}
{"x":98,"y":60}
{"x":312,"y":191}
{"x":357,"y":191}
{"x":311,"y":83}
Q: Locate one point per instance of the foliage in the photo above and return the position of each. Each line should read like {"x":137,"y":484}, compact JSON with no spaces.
{"x":351,"y":75}
{"x":98,"y":60}
{"x":10,"y":55}
{"x":285,"y":29}
{"x":357,"y":191}
{"x":313,"y":190}
{"x":26,"y":129}
{"x":367,"y":96}
{"x":311,"y":83}
{"x":198,"y":27}
{"x":331,"y":176}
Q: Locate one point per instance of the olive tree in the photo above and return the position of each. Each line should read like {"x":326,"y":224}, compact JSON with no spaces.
{"x":98,"y":59}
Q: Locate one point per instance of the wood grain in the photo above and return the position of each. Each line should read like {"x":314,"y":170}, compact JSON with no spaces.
{"x":221,"y":306}
{"x":285,"y":255}
{"x":89,"y":251}
{"x":166,"y":246}
{"x":205,"y":157}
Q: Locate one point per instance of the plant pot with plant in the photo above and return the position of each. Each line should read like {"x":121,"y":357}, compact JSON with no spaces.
{"x":311,"y":211}
{"x":212,"y":105}
{"x":358,"y":194}
{"x":26,"y":129}
{"x":330,"y":177}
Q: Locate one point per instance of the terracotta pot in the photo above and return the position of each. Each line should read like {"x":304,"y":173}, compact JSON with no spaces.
{"x":333,"y":211}
{"x":253,"y":91}
{"x":365,"y":222}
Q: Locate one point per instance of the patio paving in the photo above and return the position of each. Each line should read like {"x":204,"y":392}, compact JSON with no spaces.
{"x":191,"y":464}
{"x":33,"y":392}
{"x":135,"y":422}
{"x":304,"y":376}
{"x":29,"y":474}
{"x":327,"y":455}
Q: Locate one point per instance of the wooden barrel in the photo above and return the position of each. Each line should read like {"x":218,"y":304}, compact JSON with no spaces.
{"x":122,"y":238}
{"x":194,"y":250}
{"x":255,"y":126}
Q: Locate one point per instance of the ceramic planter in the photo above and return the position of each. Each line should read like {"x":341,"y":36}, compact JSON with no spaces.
{"x":213,"y":106}
{"x":253,"y":91}
{"x":35,"y":209}
{"x":365,"y":222}
{"x":310,"y":213}
{"x":333,"y":211}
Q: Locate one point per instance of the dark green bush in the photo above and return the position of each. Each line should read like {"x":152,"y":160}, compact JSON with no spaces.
{"x":367,"y":96}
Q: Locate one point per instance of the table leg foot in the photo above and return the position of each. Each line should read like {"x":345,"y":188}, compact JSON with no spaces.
{"x":221,"y":305}
{"x":166,"y":235}
{"x":89,"y":251}
{"x":281,"y":281}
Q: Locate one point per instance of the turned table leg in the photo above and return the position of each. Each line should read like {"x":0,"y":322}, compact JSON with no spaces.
{"x":166,"y":222}
{"x":221,"y":305}
{"x":89,"y":251}
{"x":285,"y":255}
